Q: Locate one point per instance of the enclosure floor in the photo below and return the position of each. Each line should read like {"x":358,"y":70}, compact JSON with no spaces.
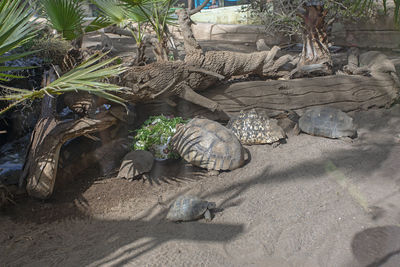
{"x":310,"y":202}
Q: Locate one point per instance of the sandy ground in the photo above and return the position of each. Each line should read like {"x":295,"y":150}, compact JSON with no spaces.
{"x":310,"y":202}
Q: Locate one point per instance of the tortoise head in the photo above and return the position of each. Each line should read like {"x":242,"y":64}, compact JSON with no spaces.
{"x":211,"y":205}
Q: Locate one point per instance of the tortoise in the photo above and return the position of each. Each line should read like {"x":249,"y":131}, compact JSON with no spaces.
{"x":189,"y":208}
{"x":135,"y":164}
{"x":208,"y":144}
{"x":327,"y":122}
{"x":252,"y":128}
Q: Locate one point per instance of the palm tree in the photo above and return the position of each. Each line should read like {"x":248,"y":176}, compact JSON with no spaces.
{"x":137,"y":16}
{"x":131,"y":18}
{"x":16,"y":28}
{"x":66,"y":17}
{"x":84,"y":77}
{"x":159,"y":15}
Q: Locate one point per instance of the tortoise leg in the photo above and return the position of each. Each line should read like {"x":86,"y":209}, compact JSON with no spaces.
{"x":207,"y":216}
{"x":275,"y":144}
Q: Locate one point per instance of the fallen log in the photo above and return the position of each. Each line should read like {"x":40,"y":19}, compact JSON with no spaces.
{"x":346,"y":92}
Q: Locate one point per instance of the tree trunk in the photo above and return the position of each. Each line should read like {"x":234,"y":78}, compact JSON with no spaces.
{"x":160,"y":50}
{"x":315,"y":37}
{"x":141,"y":54}
{"x":49,"y":134}
{"x":77,"y":43}
{"x":379,"y":88}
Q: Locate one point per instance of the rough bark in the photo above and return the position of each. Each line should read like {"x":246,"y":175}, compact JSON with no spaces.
{"x":198,"y":71}
{"x":140,"y":58}
{"x":315,"y":38}
{"x":160,"y":50}
{"x":346,"y":92}
{"x":49,"y":134}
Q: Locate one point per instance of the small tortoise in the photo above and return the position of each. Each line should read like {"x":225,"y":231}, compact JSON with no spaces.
{"x":208,"y":144}
{"x":135,"y":164}
{"x":254,"y":129}
{"x":327,"y":122}
{"x":189,"y":208}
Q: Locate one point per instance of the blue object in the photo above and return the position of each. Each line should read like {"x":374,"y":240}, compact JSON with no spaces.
{"x":226,"y":3}
{"x":199,"y":2}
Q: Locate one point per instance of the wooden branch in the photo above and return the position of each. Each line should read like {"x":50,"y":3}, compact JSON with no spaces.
{"x":40,"y":169}
{"x":189,"y":95}
{"x":49,"y":134}
{"x":197,"y":9}
{"x":346,"y":92}
{"x":185,"y":24}
{"x":211,"y":73}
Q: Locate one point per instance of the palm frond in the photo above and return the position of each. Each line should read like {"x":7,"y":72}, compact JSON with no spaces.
{"x":112,"y":10}
{"x":158,"y":13}
{"x":65,"y":16}
{"x":118,"y":13}
{"x":16,"y":28}
{"x":98,"y":24}
{"x":85,"y":77}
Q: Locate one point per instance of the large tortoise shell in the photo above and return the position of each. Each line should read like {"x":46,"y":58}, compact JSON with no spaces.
{"x":208,"y":144}
{"x":328,"y":122}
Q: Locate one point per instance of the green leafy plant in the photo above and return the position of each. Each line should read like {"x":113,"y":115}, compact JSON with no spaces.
{"x":65,"y":16}
{"x":85,"y":77}
{"x":158,"y":14}
{"x":155,"y":135}
{"x":112,"y":12}
{"x":138,"y":16}
{"x":283,"y":16}
{"x":16,"y":28}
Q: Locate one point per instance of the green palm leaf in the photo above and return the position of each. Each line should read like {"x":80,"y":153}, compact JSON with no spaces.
{"x":158,"y":13}
{"x":85,"y":77}
{"x":65,"y":16}
{"x":16,"y":28}
{"x":115,"y":12}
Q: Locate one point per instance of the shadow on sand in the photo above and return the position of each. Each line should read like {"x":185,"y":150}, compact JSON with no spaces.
{"x":117,"y":242}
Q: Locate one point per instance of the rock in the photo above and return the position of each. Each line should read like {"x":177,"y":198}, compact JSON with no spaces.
{"x":262,"y":46}
{"x":136,"y":163}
